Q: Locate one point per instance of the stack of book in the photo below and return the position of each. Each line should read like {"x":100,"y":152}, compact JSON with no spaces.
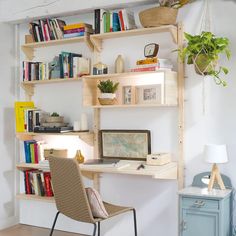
{"x":77,"y":30}
{"x":46,"y":29}
{"x":66,"y":65}
{"x":152,"y":64}
{"x":106,"y":21}
{"x":38,"y":183}
{"x":32,"y":152}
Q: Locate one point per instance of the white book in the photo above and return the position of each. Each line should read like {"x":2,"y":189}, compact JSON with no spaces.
{"x":129,"y":20}
{"x":81,"y":66}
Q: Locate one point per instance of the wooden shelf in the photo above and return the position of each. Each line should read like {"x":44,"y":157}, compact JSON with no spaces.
{"x":29,"y":48}
{"x":168,"y":171}
{"x":166,"y":79}
{"x":98,"y":38}
{"x":87,"y":137}
{"x":28,"y":166}
{"x":32,"y":197}
{"x":28,"y":86}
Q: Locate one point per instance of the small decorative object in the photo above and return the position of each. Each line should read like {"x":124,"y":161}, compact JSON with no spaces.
{"x":52,"y":152}
{"x":203,"y":51}
{"x":129,"y":95}
{"x":107,"y":89}
{"x":79,"y":157}
{"x":54,"y":118}
{"x":100,"y":69}
{"x":119,"y":64}
{"x":76,"y":126}
{"x":151,"y":50}
{"x":135,"y":144}
{"x":215,"y":154}
{"x":84,"y":122}
{"x":158,"y":159}
{"x":54,"y":68}
{"x":149,"y":94}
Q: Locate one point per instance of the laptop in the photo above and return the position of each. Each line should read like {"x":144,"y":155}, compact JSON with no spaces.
{"x":101,"y":161}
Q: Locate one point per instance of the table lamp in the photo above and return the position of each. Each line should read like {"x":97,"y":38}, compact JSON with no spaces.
{"x":215,"y":154}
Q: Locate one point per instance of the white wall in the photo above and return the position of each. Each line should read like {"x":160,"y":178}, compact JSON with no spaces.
{"x":7,"y":141}
{"x":209,"y":118}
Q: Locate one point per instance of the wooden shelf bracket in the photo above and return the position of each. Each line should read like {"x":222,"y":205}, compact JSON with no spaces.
{"x":29,"y":91}
{"x":29,"y":52}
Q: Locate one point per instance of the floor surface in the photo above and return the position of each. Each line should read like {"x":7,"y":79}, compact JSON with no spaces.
{"x":25,"y":230}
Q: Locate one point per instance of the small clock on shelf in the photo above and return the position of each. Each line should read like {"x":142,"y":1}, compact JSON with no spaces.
{"x":151,"y":50}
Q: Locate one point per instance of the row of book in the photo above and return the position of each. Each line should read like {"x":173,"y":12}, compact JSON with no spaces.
{"x":66,"y":65}
{"x":107,"y":21}
{"x":32,"y":151}
{"x":152,"y":64}
{"x":38,"y":183}
{"x":77,"y":30}
{"x":46,"y":29}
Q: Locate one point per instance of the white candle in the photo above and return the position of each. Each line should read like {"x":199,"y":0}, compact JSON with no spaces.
{"x":84,"y":122}
{"x":76,"y":126}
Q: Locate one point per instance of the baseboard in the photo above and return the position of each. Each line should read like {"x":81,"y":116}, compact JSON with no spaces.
{"x":8,"y":222}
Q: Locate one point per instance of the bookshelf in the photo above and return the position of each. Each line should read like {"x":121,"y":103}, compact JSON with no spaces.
{"x":29,"y":48}
{"x":174,"y":91}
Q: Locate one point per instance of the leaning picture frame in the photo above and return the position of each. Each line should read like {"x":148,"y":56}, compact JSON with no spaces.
{"x":149,"y":94}
{"x":125,"y":144}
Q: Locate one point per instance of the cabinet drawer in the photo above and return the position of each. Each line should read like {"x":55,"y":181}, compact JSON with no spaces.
{"x":199,"y":203}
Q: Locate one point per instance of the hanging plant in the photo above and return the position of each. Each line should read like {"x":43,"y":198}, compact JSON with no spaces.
{"x":203,"y":51}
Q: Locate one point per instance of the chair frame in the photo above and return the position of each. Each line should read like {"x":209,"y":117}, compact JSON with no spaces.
{"x":96,"y":226}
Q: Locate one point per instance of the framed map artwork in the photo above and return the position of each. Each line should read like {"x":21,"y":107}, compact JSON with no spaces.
{"x":125,"y":144}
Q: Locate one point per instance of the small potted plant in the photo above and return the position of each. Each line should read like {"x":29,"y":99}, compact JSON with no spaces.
{"x":107,"y":89}
{"x":203,"y":51}
{"x":164,"y":14}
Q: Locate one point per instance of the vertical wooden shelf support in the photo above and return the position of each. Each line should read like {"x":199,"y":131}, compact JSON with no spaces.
{"x":181,"y":110}
{"x":88,"y":42}
{"x":97,"y":43}
{"x":29,"y":91}
{"x":29,"y":52}
{"x":174,"y":34}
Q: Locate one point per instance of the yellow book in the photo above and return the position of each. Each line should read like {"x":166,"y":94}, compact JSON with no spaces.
{"x":32,"y":153}
{"x":145,"y":61}
{"x":76,"y":26}
{"x":20,"y":108}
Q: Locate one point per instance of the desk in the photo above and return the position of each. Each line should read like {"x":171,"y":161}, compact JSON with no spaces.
{"x":167,"y":171}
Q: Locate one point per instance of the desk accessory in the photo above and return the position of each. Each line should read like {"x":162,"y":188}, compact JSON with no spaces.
{"x":158,"y":159}
{"x":52,"y":152}
{"x":79,"y":157}
{"x":215,"y":154}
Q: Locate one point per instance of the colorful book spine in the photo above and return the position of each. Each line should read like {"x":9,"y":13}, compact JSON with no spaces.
{"x":97,"y":21}
{"x":77,"y":25}
{"x":73,"y":35}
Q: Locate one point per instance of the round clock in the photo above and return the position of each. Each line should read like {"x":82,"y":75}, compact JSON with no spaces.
{"x":151,"y":50}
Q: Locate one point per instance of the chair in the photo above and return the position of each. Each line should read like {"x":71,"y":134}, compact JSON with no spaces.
{"x":71,"y":198}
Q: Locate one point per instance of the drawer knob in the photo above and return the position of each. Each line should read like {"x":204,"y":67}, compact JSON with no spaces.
{"x":199,"y":203}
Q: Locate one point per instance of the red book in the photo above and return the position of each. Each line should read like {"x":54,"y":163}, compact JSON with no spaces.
{"x":150,"y":68}
{"x":36,"y":153}
{"x":48,"y":186}
{"x":27,"y":182}
{"x":78,"y":30}
{"x":122,"y":25}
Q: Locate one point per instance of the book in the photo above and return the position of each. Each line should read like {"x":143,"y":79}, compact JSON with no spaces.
{"x":81,"y":66}
{"x":115,"y":22}
{"x":20,"y":108}
{"x":48,"y":186}
{"x":76,"y":26}
{"x":121,"y":20}
{"x":150,"y":68}
{"x":147,"y":61}
{"x":77,"y":30}
{"x":97,"y":21}
{"x":73,"y":35}
{"x":53,"y":129}
{"x":129,"y":20}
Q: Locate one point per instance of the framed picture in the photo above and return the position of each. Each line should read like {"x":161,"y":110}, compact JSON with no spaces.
{"x":125,"y":144}
{"x":127,"y":94}
{"x":149,"y":94}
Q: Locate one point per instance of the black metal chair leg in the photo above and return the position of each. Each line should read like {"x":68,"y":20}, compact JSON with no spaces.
{"x":94,"y":229}
{"x":135,"y":223}
{"x":54,"y":223}
{"x":98,"y":228}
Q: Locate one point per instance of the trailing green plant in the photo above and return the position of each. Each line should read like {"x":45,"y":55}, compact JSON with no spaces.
{"x":107,"y":86}
{"x":54,"y":114}
{"x":174,"y":3}
{"x":208,"y":45}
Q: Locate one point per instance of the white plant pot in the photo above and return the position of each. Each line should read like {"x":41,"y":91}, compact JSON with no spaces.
{"x":107,"y":95}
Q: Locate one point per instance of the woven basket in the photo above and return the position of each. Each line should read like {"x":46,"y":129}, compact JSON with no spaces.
{"x":158,"y":16}
{"x":107,"y":101}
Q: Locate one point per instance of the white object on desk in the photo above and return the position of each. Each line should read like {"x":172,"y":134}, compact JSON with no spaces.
{"x":76,"y":125}
{"x":158,"y":159}
{"x":84,"y":122}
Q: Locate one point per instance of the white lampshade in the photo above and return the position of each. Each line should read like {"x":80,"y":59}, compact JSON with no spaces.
{"x":215,"y":153}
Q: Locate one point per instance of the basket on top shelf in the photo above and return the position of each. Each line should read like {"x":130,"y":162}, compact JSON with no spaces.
{"x":107,"y":89}
{"x":165,"y":14}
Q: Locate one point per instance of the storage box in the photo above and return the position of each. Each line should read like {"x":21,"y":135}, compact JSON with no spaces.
{"x":158,"y":159}
{"x":54,"y":153}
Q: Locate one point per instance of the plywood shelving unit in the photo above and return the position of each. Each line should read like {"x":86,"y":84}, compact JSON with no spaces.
{"x":173,"y":92}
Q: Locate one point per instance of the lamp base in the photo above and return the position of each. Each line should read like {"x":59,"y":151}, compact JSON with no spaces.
{"x":215,"y":177}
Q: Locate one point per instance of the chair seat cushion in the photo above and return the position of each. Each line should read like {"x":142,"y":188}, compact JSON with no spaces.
{"x":96,"y":204}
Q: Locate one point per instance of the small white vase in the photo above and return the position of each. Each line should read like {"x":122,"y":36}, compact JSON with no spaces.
{"x":119,"y":64}
{"x":107,"y":95}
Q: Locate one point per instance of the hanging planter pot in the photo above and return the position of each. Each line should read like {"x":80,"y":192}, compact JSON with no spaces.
{"x":203,"y":64}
